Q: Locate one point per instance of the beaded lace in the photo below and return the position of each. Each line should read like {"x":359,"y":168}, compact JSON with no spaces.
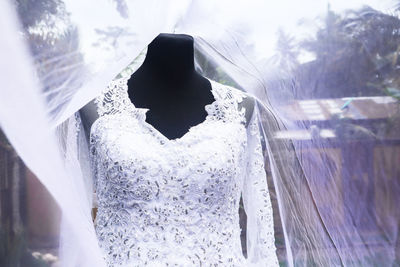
{"x":175,"y":202}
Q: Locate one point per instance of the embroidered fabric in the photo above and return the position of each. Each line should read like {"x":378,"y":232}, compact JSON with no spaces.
{"x":175,"y":202}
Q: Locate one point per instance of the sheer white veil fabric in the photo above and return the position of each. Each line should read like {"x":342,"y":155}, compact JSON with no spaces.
{"x":53,"y":67}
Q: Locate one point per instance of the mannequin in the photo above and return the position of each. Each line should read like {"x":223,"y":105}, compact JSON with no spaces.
{"x":169,"y":86}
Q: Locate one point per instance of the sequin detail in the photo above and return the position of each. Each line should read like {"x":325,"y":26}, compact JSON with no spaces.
{"x":175,"y":203}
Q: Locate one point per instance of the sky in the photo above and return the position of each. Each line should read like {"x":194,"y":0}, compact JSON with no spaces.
{"x":261,"y":19}
{"x":266,"y":17}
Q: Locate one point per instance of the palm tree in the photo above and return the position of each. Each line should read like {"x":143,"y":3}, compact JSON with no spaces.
{"x":356,"y":55}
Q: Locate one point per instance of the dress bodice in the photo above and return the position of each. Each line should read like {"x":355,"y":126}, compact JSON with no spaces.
{"x":175,"y":202}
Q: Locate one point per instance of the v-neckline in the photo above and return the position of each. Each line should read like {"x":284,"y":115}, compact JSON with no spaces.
{"x":162,"y":138}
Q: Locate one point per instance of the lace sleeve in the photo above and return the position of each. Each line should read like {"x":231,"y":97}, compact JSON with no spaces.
{"x":261,"y":249}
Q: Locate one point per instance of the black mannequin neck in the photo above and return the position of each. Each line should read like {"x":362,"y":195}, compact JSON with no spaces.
{"x":170,"y":57}
{"x":168,"y":85}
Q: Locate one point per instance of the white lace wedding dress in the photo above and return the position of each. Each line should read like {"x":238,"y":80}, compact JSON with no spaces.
{"x":165,"y":202}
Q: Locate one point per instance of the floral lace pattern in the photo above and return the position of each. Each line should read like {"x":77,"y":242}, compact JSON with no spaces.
{"x":175,"y":202}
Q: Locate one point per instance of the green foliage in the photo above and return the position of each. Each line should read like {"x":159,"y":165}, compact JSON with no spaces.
{"x":14,"y":251}
{"x":33,"y":12}
{"x":393,"y":92}
{"x":356,"y":54}
{"x":54,"y":44}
